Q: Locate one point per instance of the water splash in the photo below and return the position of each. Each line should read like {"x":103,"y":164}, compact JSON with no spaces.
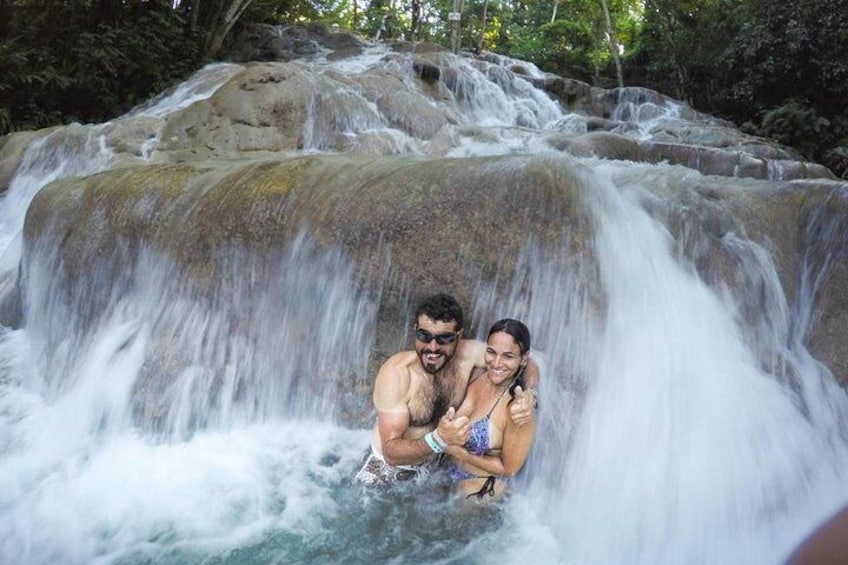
{"x":80,"y":150}
{"x":87,"y":429}
{"x":200,"y":86}
{"x":75,"y":150}
{"x":686,"y":451}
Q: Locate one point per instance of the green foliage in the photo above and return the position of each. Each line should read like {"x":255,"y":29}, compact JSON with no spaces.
{"x":277,"y":12}
{"x":681,"y":49}
{"x":836,"y":159}
{"x":531,"y":47}
{"x":25,"y":77}
{"x":564,"y":47}
{"x":794,"y":49}
{"x":575,"y":43}
{"x":99,"y":61}
{"x":779,"y":68}
{"x":790,"y":66}
{"x":796,"y":124}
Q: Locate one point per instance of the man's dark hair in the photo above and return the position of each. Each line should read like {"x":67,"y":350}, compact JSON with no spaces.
{"x":441,"y":308}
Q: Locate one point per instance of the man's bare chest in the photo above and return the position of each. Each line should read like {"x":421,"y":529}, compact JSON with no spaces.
{"x":433,"y":396}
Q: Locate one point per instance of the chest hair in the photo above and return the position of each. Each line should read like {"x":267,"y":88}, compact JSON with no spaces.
{"x":435,"y":395}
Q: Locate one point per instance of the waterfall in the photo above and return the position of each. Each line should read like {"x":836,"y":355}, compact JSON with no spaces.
{"x":150,"y":415}
{"x":670,"y":435}
{"x":723,"y":445}
{"x":85,"y":149}
{"x":229,"y":444}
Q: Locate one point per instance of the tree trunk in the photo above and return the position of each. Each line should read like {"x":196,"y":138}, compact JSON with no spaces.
{"x":613,"y":44}
{"x":416,"y":18}
{"x":456,"y":25}
{"x":223,"y":21}
{"x":194,"y":8}
{"x":483,"y":26}
{"x":553,"y":14}
{"x":6,"y":9}
{"x":597,"y":45}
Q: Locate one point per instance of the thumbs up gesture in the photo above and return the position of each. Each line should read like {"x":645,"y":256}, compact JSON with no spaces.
{"x":454,"y":429}
{"x":521,"y":410}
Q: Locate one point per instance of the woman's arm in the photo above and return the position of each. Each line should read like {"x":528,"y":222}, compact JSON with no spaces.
{"x":489,"y":464}
{"x":516,"y":446}
{"x":518,"y":439}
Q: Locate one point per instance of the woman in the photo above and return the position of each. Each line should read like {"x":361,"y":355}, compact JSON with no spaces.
{"x":496,"y":448}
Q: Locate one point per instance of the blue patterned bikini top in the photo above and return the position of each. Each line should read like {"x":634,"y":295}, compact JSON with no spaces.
{"x":478,"y":436}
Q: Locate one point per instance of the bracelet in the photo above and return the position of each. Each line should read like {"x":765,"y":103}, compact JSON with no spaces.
{"x":438,"y":439}
{"x":432,"y":444}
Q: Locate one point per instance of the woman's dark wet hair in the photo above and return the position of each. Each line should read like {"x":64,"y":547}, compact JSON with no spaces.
{"x":441,"y":308}
{"x":521,"y":335}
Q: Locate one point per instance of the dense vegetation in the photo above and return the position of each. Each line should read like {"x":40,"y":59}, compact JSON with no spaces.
{"x":778,"y":69}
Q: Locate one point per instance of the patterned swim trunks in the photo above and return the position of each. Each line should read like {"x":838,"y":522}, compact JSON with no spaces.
{"x":375,"y":470}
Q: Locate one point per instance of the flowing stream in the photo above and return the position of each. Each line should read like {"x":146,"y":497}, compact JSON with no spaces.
{"x":669,"y":432}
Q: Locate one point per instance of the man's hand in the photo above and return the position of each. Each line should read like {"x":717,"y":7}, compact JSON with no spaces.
{"x":452,"y":429}
{"x":521,"y":409}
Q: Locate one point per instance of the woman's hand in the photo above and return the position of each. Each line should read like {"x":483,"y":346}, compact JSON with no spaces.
{"x":521,"y":409}
{"x":458,"y":452}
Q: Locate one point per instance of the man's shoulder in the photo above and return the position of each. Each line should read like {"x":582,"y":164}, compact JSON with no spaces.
{"x":394,"y":380}
{"x":399,"y":363}
{"x":401,"y":359}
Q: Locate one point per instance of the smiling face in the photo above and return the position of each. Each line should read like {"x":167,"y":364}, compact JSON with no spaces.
{"x":432,"y":354}
{"x":503,"y":357}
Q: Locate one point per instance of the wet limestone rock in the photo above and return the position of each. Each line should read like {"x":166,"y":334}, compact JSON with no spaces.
{"x":12,"y":149}
{"x":263,"y":108}
{"x":404,"y":210}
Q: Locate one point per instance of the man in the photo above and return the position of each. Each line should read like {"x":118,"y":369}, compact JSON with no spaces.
{"x":416,"y":393}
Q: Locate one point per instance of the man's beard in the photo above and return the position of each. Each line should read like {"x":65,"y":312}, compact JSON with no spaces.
{"x":433,"y":368}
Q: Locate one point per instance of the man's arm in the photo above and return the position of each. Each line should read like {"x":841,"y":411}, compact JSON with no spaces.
{"x":398,"y":450}
{"x":531,"y":375}
{"x":391,"y":400}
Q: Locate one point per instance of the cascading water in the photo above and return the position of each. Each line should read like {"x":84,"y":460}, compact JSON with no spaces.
{"x":727,"y":458}
{"x":84,"y":149}
{"x":145,"y":418}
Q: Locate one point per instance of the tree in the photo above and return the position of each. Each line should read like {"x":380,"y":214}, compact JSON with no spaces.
{"x":576,"y":38}
{"x":682,"y":48}
{"x":613,"y":44}
{"x":102,"y":59}
{"x":214,"y":20}
{"x":791,"y":61}
{"x":483,"y":25}
{"x":780,"y":69}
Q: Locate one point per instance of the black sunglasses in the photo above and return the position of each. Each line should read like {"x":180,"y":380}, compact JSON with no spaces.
{"x":442,"y":339}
